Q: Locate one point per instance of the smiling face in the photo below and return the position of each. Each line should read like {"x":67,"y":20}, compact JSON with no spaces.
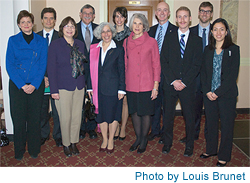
{"x":137,"y":27}
{"x":119,"y":19}
{"x":87,"y":15}
{"x":162,"y":12}
{"x":106,"y":34}
{"x":26,"y":25}
{"x":205,"y":14}
{"x":48,"y":21}
{"x":69,"y":30}
{"x":219,"y":32}
{"x":183,"y":19}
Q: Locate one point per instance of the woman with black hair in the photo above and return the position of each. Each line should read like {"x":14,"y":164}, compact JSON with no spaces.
{"x":219,"y":72}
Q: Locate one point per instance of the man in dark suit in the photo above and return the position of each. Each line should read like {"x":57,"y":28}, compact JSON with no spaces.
{"x":48,"y":18}
{"x":159,"y":31}
{"x":202,"y":29}
{"x":180,"y":63}
{"x":85,"y":30}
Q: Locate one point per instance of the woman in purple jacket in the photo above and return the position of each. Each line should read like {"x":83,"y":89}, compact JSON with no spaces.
{"x":142,"y":73}
{"x":66,"y":75}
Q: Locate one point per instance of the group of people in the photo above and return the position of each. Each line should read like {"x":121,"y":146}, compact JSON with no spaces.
{"x":135,"y":69}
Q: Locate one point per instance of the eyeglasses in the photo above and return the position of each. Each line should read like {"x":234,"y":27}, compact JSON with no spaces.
{"x":207,"y":12}
{"x":69,"y":27}
{"x":90,"y":14}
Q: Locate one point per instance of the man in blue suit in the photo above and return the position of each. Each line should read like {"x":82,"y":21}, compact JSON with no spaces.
{"x":85,"y":30}
{"x":159,"y":31}
{"x":48,"y":18}
{"x":202,"y":30}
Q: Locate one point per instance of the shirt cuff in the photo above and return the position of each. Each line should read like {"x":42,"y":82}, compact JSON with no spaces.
{"x":122,"y":92}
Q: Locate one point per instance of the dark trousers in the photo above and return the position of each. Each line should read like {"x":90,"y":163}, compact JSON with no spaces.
{"x":186,"y":96}
{"x":198,"y":108}
{"x":156,"y":118}
{"x":45,"y":127}
{"x":86,"y":124}
{"x":225,"y":109}
{"x":25,"y":112}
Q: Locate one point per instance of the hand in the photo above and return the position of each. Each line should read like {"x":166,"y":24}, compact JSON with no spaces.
{"x":46,"y":80}
{"x":120,"y":96}
{"x":154,"y":94}
{"x":178,"y":85}
{"x":90,"y":93}
{"x":211,"y":96}
{"x":28,"y":89}
{"x":55,"y":96}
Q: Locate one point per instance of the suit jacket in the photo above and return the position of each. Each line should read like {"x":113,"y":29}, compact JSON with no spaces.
{"x":111,"y":75}
{"x":152,"y":30}
{"x":173,"y":67}
{"x":80,"y":37}
{"x":54,"y":37}
{"x":195,"y":30}
{"x":229,"y":71}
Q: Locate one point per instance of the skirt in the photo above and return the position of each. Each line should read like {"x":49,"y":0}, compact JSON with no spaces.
{"x":141,"y":103}
{"x":110,"y":108}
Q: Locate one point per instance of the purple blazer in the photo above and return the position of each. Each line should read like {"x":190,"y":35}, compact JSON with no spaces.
{"x":59,"y":68}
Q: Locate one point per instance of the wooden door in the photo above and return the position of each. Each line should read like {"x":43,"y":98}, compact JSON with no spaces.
{"x":146,"y":7}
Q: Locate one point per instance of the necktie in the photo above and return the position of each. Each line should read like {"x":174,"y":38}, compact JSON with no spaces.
{"x":159,"y":38}
{"x":47,"y":38}
{"x":87,"y":38}
{"x":182,"y":45}
{"x":204,"y":38}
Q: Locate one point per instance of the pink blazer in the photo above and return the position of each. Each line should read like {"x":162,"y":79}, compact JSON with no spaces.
{"x":142,"y":63}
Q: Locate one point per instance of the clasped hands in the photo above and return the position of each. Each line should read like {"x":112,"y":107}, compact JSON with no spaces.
{"x":212,"y":96}
{"x":28,"y":88}
{"x":178,"y":85}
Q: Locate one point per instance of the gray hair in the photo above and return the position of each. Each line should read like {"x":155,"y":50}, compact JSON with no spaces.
{"x":87,"y":6}
{"x":98,"y":30}
{"x":142,"y":18}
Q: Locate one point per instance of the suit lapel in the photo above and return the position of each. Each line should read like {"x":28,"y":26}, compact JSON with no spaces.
{"x":109,"y":54}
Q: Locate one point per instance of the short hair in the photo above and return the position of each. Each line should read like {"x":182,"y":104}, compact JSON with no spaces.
{"x":87,"y":6}
{"x":228,"y":38}
{"x":98,"y":30}
{"x":206,"y":4}
{"x":142,"y":18}
{"x":123,"y":11}
{"x":25,"y":13}
{"x":64,"y":22}
{"x":48,"y":10}
{"x":183,"y":8}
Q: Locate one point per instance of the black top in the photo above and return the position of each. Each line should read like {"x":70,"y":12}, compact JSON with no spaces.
{"x":28,"y":38}
{"x":120,"y":36}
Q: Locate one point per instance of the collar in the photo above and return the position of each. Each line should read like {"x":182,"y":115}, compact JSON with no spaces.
{"x":186,"y":33}
{"x":207,"y":28}
{"x":164,"y":26}
{"x":111,"y":45}
{"x":50,"y":32}
{"x":84,"y":25}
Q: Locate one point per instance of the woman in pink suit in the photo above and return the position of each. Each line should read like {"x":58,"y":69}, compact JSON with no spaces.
{"x":142,"y":73}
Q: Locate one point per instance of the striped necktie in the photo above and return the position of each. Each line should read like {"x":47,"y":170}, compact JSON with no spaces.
{"x":182,"y":45}
{"x":159,"y":38}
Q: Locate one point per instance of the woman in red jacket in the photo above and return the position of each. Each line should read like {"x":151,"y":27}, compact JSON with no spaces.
{"x":142,"y":73}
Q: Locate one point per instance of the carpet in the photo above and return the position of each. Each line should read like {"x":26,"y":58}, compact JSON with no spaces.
{"x":52,"y":156}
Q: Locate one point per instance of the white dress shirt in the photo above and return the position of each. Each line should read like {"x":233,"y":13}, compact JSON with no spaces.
{"x":50,"y":34}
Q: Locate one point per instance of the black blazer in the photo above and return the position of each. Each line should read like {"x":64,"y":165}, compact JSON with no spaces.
{"x":152,"y":30}
{"x":111,"y":76}
{"x":195,"y":30}
{"x":229,"y":71}
{"x":80,"y":36}
{"x":173,"y":67}
{"x":54,"y":37}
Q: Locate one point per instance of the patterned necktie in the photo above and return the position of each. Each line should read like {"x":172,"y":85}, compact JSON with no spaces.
{"x":47,"y":38}
{"x":182,"y":45}
{"x":87,"y":38}
{"x":159,"y":38}
{"x":204,"y":38}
